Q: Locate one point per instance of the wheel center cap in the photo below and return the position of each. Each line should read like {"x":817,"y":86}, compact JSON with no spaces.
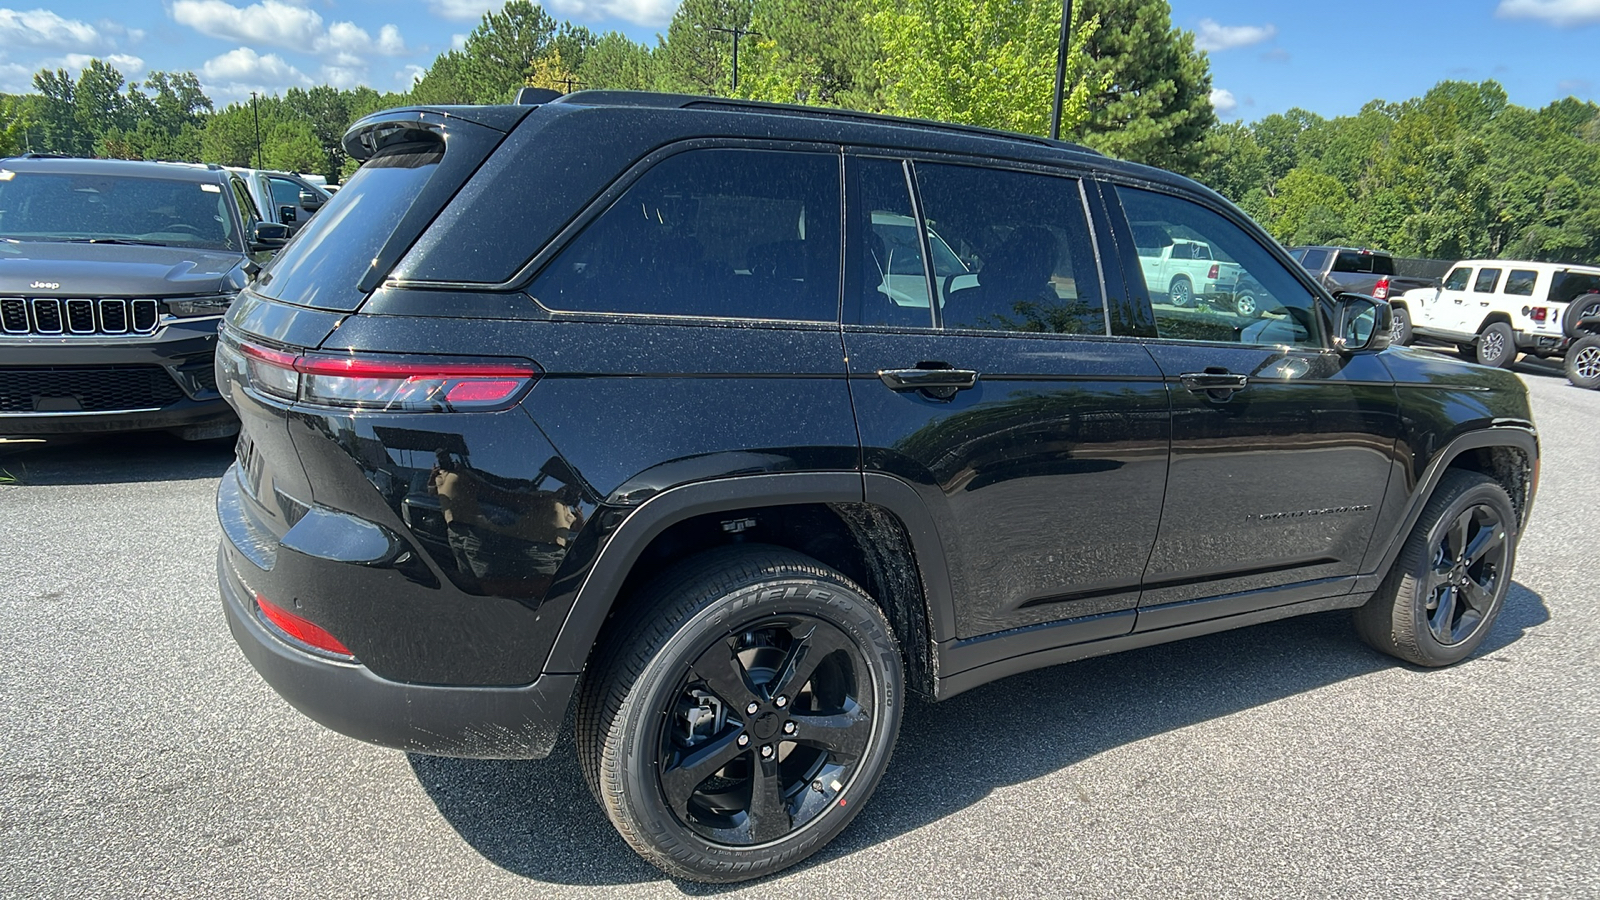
{"x":766,"y":725}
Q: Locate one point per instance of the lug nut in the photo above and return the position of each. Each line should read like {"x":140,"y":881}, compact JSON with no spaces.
{"x":788,"y":728}
{"x":751,"y":709}
{"x":744,"y":740}
{"x":766,"y":751}
{"x":781,"y":702}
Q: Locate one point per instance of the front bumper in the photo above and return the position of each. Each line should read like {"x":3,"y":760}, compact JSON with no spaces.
{"x":483,"y":722}
{"x":100,"y":384}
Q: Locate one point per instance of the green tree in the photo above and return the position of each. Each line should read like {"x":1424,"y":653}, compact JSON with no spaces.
{"x":1310,"y":208}
{"x":694,"y":58}
{"x":616,"y":62}
{"x":821,"y":52}
{"x":981,"y":62}
{"x":1155,"y":103}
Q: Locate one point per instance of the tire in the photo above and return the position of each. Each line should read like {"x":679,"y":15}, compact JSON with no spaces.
{"x":1468,"y":352}
{"x":1582,"y":307}
{"x":1583,"y":362}
{"x":669,"y":698}
{"x":1432,"y":610}
{"x":1246,"y":305}
{"x":1497,"y":346}
{"x":1400,"y":333}
{"x":1181,"y":292}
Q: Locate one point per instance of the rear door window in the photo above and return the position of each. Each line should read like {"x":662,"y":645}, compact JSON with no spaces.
{"x":892,"y":288}
{"x":723,"y":233}
{"x":1486,"y":282}
{"x":1521,"y":282}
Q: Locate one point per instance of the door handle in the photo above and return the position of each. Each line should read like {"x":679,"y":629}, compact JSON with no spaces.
{"x":1225,"y":382}
{"x":938,"y":383}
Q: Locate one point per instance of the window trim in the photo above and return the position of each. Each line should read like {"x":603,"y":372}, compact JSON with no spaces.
{"x":523,"y":278}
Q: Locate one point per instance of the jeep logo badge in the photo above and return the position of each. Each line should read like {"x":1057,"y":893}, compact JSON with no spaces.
{"x":47,"y":285}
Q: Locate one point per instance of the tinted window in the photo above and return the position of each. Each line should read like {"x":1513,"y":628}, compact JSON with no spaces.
{"x":1457,"y":281}
{"x":1520,"y":282}
{"x":750,"y":234}
{"x":1567,"y":285}
{"x":49,"y":206}
{"x":1179,"y":288}
{"x":893,"y":287}
{"x":1315,"y":260}
{"x":1349,"y":261}
{"x":1487,"y":279}
{"x":1027,"y":263}
{"x":284,"y":192}
{"x":323,"y":265}
{"x":1381,"y":264}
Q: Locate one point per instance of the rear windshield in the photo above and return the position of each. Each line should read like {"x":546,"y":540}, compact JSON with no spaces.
{"x":51,"y":206}
{"x":1352,"y":261}
{"x":1567,"y":285}
{"x":327,"y":259}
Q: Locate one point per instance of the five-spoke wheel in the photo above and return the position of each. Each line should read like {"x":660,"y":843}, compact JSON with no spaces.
{"x":741,"y":714}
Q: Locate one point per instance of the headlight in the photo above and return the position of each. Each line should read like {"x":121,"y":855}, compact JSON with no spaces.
{"x":188,"y":307}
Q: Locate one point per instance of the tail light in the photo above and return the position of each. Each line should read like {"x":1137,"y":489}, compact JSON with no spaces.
{"x":1381,"y":289}
{"x":1539,"y":313}
{"x":1213,"y":273}
{"x":392,"y":384}
{"x":301,"y":629}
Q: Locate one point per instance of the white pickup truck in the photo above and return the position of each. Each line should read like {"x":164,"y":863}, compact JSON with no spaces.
{"x":1494,"y":309}
{"x":1182,"y":268}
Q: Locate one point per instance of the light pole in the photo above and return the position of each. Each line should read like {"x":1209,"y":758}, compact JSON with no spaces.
{"x":1061,"y":68}
{"x":737,"y":34}
{"x":257,"y":115}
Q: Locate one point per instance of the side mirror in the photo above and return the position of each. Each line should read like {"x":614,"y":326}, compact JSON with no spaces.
{"x":1361,"y":323}
{"x":310,"y":201}
{"x":288,"y":215}
{"x":268,"y":236}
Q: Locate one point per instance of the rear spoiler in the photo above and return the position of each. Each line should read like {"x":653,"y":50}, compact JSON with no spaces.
{"x":388,"y":127}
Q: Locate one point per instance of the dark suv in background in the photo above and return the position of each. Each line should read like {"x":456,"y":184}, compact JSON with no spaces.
{"x":656,"y":402}
{"x":113,"y":276}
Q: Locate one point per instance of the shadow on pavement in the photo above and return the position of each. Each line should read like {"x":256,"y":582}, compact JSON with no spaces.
{"x":537,"y":819}
{"x":113,"y":459}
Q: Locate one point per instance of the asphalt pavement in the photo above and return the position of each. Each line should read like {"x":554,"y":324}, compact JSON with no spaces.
{"x":140,"y":755}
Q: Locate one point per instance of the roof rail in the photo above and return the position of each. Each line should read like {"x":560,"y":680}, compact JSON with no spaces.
{"x":683,"y":101}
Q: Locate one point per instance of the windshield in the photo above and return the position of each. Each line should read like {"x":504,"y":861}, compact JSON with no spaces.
{"x":50,"y":206}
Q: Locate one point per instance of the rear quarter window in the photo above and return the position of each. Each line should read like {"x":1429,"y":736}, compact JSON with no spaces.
{"x":723,"y":233}
{"x":1521,"y":282}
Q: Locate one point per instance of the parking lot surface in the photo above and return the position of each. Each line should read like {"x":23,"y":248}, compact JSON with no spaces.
{"x":140,"y":755}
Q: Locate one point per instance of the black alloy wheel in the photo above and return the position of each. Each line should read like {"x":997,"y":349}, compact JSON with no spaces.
{"x":1583,"y":362}
{"x":1450,"y":581}
{"x":743,"y":713}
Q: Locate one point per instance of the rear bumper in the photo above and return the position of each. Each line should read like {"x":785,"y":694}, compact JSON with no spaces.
{"x":484,"y":722}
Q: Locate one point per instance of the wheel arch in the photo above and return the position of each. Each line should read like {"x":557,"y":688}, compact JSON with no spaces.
{"x":1507,"y":453}
{"x":874,"y":530}
{"x":1494,"y":317}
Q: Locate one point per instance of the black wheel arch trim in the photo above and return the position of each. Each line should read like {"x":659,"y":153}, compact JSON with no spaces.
{"x":601,"y":589}
{"x":1517,"y":436}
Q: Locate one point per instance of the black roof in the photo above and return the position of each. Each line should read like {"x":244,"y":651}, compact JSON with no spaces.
{"x":119,"y":168}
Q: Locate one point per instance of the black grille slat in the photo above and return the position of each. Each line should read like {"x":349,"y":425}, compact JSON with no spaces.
{"x":79,"y":316}
{"x":104,"y":389}
{"x":13,"y":315}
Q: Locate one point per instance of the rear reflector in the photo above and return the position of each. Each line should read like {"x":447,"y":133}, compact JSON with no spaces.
{"x":396,"y":385}
{"x":301,"y":629}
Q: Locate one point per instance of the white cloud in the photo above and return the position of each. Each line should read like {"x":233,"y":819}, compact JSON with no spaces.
{"x":1223,"y":101}
{"x":458,"y":42}
{"x":639,"y":12}
{"x":406,"y":78}
{"x":1212,"y":36}
{"x":462,"y":10}
{"x":1560,"y":13}
{"x":43,"y":28}
{"x":279,"y":24}
{"x":235,"y":74}
{"x":15,"y":79}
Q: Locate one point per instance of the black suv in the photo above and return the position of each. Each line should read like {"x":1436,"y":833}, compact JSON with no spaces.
{"x":656,"y":403}
{"x":113,"y":276}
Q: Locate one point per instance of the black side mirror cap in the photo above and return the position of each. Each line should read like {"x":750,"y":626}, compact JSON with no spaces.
{"x":310,"y":201}
{"x":268,"y":236}
{"x":1361,"y":323}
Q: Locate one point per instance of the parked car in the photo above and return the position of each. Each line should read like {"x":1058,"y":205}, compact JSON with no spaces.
{"x":285,"y":197}
{"x":1364,"y":271}
{"x":113,"y":276}
{"x":607,"y":400}
{"x":1493,"y":310}
{"x":1184,"y":269}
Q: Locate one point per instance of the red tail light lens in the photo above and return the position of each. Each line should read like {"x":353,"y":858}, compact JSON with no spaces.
{"x":1381,"y":289}
{"x":301,"y":629}
{"x":1540,"y":313}
{"x":371,"y":382}
{"x":1214,"y":270}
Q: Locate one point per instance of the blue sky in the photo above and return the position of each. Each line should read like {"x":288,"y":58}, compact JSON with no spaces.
{"x":1266,"y":55}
